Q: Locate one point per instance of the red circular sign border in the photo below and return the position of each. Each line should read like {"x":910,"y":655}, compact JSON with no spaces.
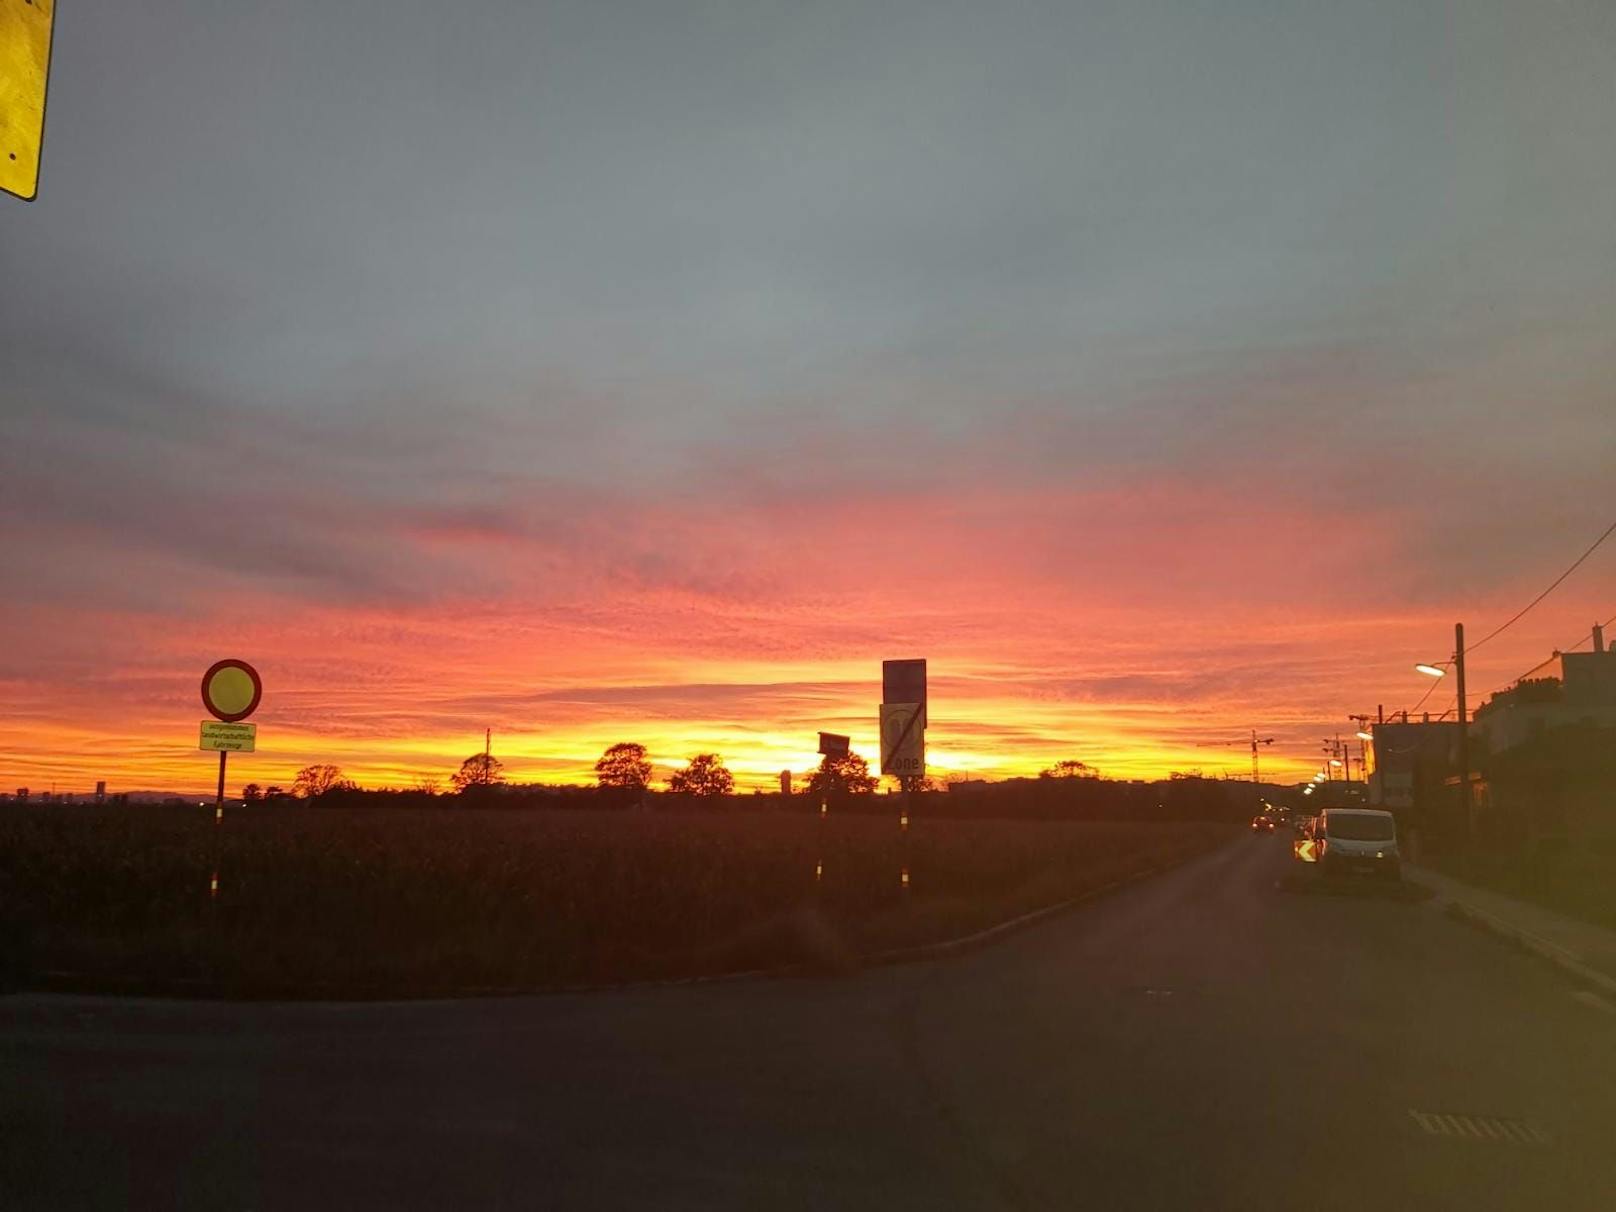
{"x":258,"y":689}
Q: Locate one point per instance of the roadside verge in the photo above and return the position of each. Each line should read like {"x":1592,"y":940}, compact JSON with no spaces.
{"x":1583,"y":951}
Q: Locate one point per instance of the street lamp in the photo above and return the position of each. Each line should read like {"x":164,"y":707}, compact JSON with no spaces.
{"x":1467,"y":807}
{"x":1335,"y":761}
{"x":1365,"y":736}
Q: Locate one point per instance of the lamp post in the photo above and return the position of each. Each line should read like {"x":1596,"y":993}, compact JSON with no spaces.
{"x":1467,"y":808}
{"x":1467,"y":803}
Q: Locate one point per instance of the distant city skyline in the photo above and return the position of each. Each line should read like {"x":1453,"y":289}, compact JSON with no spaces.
{"x":651,"y":371}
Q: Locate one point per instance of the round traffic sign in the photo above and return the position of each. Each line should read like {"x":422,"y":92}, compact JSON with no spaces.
{"x":231,"y":690}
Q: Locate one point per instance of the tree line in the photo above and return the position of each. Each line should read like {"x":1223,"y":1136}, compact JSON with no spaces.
{"x":624,"y":767}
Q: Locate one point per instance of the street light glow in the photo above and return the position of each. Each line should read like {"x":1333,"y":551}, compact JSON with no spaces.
{"x":1366,"y":736}
{"x":1335,"y":761}
{"x":1431,"y":671}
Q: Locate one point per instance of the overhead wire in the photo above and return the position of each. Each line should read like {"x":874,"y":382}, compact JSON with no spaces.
{"x":1423,"y":697}
{"x":1572,"y":647}
{"x":1521,"y":613}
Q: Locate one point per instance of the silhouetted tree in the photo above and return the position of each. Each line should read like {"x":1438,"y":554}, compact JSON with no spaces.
{"x":252,"y":793}
{"x":624,"y":765}
{"x":312,"y":782}
{"x":841,"y":773}
{"x":1069,"y":769}
{"x":705,"y":775}
{"x":427,"y":784}
{"x":274,"y":793}
{"x":477,"y":771}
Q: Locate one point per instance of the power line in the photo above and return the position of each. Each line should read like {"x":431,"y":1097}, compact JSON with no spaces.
{"x":1521,"y":613}
{"x":1572,"y":647}
{"x":1423,"y":697}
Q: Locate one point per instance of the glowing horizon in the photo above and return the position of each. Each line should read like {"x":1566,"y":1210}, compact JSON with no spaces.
{"x":386,"y":725}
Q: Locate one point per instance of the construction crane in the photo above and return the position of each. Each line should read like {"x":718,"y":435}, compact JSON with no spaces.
{"x":1254,"y":741}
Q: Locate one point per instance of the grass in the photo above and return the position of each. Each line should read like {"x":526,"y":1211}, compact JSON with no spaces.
{"x":371,"y":902}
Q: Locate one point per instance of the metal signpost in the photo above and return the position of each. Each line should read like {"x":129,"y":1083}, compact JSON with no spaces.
{"x":831,"y":744}
{"x":230,"y":691}
{"x":903,"y":735}
{"x":903,"y":718}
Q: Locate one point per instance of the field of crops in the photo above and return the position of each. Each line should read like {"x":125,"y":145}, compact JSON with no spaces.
{"x":361,"y":902}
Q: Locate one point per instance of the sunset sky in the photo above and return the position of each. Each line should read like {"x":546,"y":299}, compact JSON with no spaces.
{"x":651,"y":369}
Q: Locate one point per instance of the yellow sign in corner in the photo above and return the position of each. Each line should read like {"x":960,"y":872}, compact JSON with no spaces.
{"x":25,"y":42}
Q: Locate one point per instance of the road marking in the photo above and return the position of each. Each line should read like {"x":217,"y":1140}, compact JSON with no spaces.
{"x":1490,"y":1128}
{"x":1589,"y":998}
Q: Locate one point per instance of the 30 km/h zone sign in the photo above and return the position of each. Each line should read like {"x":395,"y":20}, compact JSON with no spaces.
{"x":903,"y":738}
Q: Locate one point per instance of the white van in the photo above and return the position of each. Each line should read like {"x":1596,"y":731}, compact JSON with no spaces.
{"x":1359,"y":841}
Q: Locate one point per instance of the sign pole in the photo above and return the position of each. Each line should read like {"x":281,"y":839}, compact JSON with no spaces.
{"x":218,"y":805}
{"x":231,"y":690}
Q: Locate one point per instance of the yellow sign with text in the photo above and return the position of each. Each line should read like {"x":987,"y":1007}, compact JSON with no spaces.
{"x":232,"y":738}
{"x":25,"y":45}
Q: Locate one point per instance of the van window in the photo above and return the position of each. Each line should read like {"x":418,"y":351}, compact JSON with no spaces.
{"x":1360,"y":828}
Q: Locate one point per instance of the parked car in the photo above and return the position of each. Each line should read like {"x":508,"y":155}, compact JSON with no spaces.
{"x":1357,"y":841}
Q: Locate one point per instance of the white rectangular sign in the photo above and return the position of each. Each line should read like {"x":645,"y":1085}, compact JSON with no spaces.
{"x":903,"y":739}
{"x":235,"y":738}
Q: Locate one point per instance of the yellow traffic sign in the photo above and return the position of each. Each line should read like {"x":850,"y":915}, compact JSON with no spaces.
{"x":231,"y":690}
{"x":229,"y":738}
{"x":25,"y":44}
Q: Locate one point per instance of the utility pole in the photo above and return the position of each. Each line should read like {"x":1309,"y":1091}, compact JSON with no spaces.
{"x":1466,"y":804}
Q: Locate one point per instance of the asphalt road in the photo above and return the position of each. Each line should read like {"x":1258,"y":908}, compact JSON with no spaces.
{"x":1204,"y":1039}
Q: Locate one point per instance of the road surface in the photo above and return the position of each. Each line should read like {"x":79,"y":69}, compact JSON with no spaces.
{"x":1203,"y":1039}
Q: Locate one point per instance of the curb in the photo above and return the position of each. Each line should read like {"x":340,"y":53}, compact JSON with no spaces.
{"x":970,"y":942}
{"x":1566,"y":961}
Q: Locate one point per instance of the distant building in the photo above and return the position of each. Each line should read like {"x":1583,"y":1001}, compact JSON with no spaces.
{"x":1579,"y":690}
